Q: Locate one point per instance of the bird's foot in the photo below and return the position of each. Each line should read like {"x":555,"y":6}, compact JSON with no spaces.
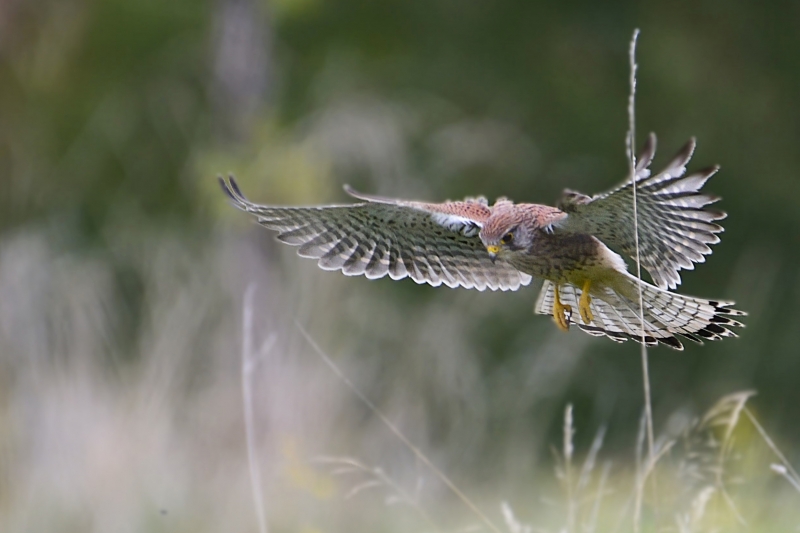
{"x":584,"y":305}
{"x":561,"y":312}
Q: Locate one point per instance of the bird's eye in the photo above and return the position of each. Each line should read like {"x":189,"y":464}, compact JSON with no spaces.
{"x":507,"y":238}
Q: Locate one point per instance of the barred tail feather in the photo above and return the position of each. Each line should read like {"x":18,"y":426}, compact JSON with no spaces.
{"x":668,"y":317}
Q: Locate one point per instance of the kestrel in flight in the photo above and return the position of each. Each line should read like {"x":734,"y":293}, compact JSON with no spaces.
{"x":501,"y":247}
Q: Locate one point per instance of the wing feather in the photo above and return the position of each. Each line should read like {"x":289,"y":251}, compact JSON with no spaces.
{"x":430,"y":243}
{"x":675,"y":225}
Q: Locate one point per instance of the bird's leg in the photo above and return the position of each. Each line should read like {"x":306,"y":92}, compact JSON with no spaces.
{"x":561,"y":312}
{"x":585,"y":303}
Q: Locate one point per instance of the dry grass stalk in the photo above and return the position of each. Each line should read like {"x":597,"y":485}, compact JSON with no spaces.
{"x":397,"y":433}
{"x":250,"y":360}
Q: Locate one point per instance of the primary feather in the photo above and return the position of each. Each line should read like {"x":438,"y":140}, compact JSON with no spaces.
{"x":429,"y":243}
{"x":675,"y":227}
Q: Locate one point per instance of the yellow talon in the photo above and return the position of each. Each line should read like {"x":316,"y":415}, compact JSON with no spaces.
{"x":561,"y":312}
{"x":585,"y":303}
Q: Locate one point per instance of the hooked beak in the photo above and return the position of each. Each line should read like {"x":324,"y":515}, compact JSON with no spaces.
{"x":492,"y":249}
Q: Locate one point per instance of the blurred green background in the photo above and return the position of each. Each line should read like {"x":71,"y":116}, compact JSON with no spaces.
{"x":122,"y":267}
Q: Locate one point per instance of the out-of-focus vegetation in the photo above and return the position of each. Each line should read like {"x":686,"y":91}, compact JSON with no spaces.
{"x":122,"y":268}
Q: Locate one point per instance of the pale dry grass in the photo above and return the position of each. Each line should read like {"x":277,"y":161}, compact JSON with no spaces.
{"x":94,"y":438}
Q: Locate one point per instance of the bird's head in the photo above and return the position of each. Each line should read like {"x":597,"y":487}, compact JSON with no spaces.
{"x":506,"y":232}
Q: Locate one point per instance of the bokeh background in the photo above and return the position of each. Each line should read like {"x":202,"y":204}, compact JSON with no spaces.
{"x":123,"y":269}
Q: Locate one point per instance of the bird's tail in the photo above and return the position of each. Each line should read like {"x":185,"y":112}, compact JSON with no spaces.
{"x":668,"y":316}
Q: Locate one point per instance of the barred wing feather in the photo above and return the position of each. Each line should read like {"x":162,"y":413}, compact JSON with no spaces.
{"x":675,"y":227}
{"x":426,"y":242}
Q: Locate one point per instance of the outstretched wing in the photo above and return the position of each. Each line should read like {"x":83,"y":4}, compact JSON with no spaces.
{"x":430,"y":243}
{"x":675,"y":227}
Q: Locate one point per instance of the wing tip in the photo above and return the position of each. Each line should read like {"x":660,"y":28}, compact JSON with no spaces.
{"x":648,"y":151}
{"x":232,"y":190}
{"x":688,"y":148}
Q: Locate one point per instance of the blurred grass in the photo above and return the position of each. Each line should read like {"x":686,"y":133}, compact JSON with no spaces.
{"x":153,"y":440}
{"x":122,"y":268}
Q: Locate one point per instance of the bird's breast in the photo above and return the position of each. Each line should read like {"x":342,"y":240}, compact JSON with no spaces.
{"x":562,"y":257}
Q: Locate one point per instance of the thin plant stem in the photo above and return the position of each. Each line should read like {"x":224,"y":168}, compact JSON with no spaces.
{"x":783,"y":472}
{"x":397,"y":433}
{"x":591,"y":527}
{"x":568,"y":449}
{"x":632,"y":158}
{"x":791,"y":473}
{"x":631,"y":140}
{"x":248,"y":364}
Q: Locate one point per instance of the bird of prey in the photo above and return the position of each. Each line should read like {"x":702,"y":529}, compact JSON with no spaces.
{"x":475,"y":245}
